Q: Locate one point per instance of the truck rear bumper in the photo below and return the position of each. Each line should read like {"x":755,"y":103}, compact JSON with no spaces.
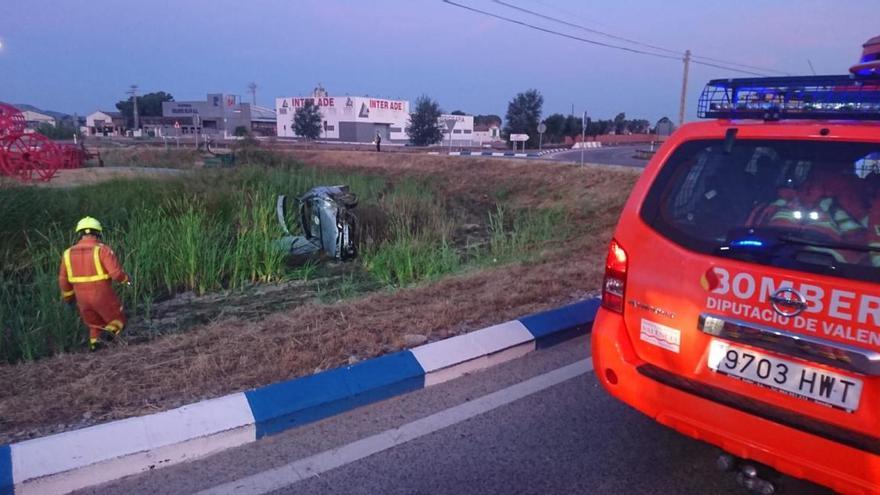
{"x":786,"y":445}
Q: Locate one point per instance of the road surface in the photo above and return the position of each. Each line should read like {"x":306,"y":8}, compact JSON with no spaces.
{"x":611,"y":155}
{"x":539,"y":424}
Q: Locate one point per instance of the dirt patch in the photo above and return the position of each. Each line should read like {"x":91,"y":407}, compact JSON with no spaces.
{"x":188,"y":310}
{"x":227,"y":355}
{"x":95,"y":175}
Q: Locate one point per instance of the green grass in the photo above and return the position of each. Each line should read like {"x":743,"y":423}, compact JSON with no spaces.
{"x":418,"y":245}
{"x":514,"y":234}
{"x":205,"y":232}
{"x":172,"y":157}
{"x":213,"y":230}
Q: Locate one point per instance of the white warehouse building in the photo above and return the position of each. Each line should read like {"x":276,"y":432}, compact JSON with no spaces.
{"x":349,"y":118}
{"x":462,"y":130}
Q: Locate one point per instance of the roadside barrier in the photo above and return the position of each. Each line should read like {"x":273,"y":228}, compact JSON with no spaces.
{"x":77,"y":459}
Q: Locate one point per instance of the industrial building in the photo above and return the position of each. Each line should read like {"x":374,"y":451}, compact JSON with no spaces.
{"x":359,"y":119}
{"x":462,"y":130}
{"x":219,"y":114}
{"x":36,"y":119}
{"x":105,"y":123}
{"x":348,"y":118}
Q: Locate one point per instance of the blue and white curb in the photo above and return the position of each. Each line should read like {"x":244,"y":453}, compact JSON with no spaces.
{"x":531,"y":154}
{"x":486,"y":153}
{"x":552,"y":150}
{"x":587,"y":144}
{"x":77,"y":459}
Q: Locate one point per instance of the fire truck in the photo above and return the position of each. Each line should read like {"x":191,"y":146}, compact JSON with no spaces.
{"x":741,"y":298}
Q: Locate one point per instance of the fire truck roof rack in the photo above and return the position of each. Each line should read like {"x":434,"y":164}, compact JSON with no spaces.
{"x":842,"y":97}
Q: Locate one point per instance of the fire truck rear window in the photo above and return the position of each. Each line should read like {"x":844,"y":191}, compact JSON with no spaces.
{"x":804,"y":205}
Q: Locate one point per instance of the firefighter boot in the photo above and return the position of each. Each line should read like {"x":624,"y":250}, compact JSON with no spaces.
{"x":111,"y":331}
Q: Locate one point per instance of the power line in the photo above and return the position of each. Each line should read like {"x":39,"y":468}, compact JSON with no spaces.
{"x":765,"y":69}
{"x":584,"y":28}
{"x":687,"y":55}
{"x":557,"y":33}
{"x":708,"y":64}
{"x":639,"y":43}
{"x":569,"y":12}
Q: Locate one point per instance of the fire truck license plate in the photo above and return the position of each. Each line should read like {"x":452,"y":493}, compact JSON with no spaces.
{"x":800,"y":380}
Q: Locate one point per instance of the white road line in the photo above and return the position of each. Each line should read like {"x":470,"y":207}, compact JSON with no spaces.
{"x":284,"y":476}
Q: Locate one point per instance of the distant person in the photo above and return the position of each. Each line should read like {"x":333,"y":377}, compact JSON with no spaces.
{"x":378,"y":142}
{"x":85,"y":277}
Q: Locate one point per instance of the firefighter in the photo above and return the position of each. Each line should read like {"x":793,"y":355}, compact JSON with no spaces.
{"x":84,"y":277}
{"x":813,"y":209}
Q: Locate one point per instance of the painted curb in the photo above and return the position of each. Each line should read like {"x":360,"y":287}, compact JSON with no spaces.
{"x":293,"y":403}
{"x":6,"y":471}
{"x":586,"y":144}
{"x":509,"y":154}
{"x":77,"y":459}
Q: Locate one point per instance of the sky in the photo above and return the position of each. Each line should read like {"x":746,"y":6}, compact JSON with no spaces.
{"x":82,"y":55}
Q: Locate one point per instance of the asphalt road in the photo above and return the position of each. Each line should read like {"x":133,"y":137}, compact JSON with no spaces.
{"x":611,"y":155}
{"x":567,"y":437}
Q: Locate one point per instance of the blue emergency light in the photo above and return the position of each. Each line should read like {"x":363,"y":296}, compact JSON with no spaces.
{"x":800,"y":97}
{"x":748,"y":243}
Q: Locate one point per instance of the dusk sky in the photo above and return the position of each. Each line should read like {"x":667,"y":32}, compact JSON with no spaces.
{"x":79,"y":56}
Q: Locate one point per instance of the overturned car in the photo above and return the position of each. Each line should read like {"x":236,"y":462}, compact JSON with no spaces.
{"x":328,"y":225}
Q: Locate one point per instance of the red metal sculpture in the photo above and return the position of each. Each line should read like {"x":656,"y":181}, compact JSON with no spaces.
{"x":11,"y":121}
{"x":31,"y":155}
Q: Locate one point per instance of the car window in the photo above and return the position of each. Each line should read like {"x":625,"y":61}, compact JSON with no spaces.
{"x":807,"y":205}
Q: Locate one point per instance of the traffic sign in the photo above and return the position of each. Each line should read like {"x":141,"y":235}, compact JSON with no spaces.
{"x":542,"y":128}
{"x":176,"y":124}
{"x":450,"y":123}
{"x":519,"y":137}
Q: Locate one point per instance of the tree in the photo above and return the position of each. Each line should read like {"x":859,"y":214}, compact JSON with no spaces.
{"x":62,"y":130}
{"x":523,"y":114}
{"x":573,"y":126}
{"x":555,"y":128}
{"x":487,"y":120}
{"x":638,"y":126}
{"x":149,"y":105}
{"x":457,"y":112}
{"x":307,"y":121}
{"x":619,"y":123}
{"x":424,"y":123}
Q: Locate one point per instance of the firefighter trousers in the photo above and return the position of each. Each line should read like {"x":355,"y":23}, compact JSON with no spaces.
{"x":100,"y":309}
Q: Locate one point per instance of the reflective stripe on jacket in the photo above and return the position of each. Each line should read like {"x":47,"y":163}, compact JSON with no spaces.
{"x":100,"y":274}
{"x":794,"y":215}
{"x":88,"y":262}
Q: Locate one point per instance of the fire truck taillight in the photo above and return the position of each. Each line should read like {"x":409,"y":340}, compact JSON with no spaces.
{"x":614,"y":285}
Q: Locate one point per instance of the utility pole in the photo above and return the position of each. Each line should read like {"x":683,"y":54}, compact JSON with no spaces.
{"x":252,"y":87}
{"x":684,"y":86}
{"x":583,"y":137}
{"x":134,"y":100}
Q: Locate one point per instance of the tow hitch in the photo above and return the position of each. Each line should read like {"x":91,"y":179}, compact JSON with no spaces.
{"x":748,"y":474}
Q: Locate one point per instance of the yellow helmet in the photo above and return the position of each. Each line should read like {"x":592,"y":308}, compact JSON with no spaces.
{"x":88,"y":225}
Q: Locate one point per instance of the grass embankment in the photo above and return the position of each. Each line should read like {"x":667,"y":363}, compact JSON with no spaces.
{"x":233,"y":352}
{"x":156,"y":157}
{"x":216,"y":230}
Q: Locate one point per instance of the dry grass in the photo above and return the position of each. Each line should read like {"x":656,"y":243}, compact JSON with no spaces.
{"x":96,"y":175}
{"x":70,"y":391}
